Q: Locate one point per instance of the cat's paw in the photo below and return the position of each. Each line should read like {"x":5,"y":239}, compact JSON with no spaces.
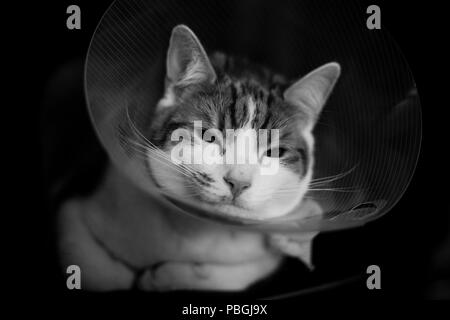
{"x":205,"y":276}
{"x":148,"y":281}
{"x":173,"y":276}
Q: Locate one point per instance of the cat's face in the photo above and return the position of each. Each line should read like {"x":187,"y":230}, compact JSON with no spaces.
{"x":267,"y":130}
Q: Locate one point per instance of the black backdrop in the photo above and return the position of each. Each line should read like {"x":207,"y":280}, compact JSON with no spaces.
{"x":403,"y":243}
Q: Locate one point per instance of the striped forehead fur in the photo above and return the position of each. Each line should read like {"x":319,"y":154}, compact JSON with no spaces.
{"x":238,"y":95}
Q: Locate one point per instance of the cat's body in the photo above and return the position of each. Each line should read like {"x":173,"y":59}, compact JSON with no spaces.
{"x":121,"y":235}
{"x":119,"y":232}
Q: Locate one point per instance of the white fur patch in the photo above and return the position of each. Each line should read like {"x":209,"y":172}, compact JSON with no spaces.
{"x":168,"y":99}
{"x":251,"y":107}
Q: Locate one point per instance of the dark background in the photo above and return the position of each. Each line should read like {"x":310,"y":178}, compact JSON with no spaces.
{"x":410,"y":244}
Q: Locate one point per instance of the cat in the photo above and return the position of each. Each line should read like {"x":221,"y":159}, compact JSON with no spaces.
{"x":121,"y":236}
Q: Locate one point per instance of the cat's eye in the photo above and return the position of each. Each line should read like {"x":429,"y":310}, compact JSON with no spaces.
{"x":213,"y":136}
{"x":271,"y":152}
{"x":203,"y":132}
{"x":211,"y":139}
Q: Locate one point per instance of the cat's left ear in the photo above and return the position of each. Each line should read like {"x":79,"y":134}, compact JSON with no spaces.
{"x":312,"y":91}
{"x":187,"y":61}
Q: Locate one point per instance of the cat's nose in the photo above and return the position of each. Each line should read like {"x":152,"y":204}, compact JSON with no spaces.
{"x":236,"y":186}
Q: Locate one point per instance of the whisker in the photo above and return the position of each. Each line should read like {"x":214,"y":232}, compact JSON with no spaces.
{"x":156,"y":151}
{"x":149,"y":143}
{"x":170,"y":164}
{"x":335,"y":190}
{"x":332,"y":178}
{"x":163,"y":155}
{"x":136,"y":130}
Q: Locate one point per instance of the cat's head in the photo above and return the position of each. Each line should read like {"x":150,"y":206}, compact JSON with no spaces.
{"x":275,"y":173}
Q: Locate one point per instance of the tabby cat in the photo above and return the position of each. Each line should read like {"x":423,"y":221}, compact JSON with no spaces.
{"x":121,"y":237}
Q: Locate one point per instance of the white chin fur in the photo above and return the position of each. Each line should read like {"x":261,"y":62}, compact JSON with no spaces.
{"x":262,"y":201}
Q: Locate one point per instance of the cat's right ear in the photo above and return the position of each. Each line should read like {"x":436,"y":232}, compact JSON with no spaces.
{"x":311,"y":92}
{"x":187,"y":61}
